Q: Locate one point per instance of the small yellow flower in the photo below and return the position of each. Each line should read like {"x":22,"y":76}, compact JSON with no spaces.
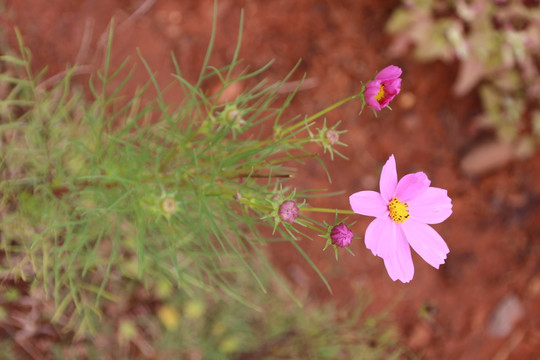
{"x":169,"y":317}
{"x":194,"y":309}
{"x":229,"y":345}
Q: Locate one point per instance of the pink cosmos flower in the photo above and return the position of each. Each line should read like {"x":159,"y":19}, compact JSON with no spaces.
{"x":381,"y":90}
{"x":402,"y":212}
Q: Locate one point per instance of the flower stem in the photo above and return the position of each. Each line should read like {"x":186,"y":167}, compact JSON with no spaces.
{"x":308,"y":120}
{"x":314,"y":228}
{"x":325,"y":210}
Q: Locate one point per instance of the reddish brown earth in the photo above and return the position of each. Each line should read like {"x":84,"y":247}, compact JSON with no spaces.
{"x":494,"y":232}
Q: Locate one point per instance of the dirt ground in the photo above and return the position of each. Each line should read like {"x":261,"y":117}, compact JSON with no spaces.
{"x":492,"y":272}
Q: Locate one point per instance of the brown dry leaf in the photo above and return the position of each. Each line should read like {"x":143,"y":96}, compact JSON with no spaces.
{"x":470,"y":73}
{"x":487,"y":157}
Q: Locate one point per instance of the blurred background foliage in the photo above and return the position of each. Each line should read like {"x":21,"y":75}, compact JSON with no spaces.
{"x":497,"y":46}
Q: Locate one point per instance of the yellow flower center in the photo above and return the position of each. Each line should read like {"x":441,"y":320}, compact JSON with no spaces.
{"x":380,"y":94}
{"x":398,"y":210}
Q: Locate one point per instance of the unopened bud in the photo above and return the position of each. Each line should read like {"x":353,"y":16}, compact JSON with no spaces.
{"x":288,"y":211}
{"x":332,"y":136}
{"x":341,"y":235}
{"x":168,"y":205}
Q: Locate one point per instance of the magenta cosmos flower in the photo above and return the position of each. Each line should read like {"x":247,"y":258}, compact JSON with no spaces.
{"x":402,"y":212}
{"x":381,"y":90}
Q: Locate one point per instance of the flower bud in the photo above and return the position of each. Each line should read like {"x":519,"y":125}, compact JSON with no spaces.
{"x":288,"y":211}
{"x":332,"y":136}
{"x":341,"y":235}
{"x":234,"y":116}
{"x":168,"y":206}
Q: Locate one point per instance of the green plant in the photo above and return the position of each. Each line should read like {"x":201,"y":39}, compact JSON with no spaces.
{"x":106,"y":194}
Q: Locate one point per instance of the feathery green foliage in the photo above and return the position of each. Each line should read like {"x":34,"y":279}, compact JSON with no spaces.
{"x":127,"y":187}
{"x":100,"y":196}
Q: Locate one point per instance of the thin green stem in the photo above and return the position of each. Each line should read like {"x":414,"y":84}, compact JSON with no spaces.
{"x":315,"y":228}
{"x":290,"y":158}
{"x":326,"y":210}
{"x":308,"y":120}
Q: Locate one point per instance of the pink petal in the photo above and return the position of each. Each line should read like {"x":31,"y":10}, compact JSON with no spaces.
{"x":411,"y":186}
{"x":386,"y":100}
{"x":369,"y":203}
{"x":399,"y":262}
{"x":374,"y":104}
{"x":380,"y":237}
{"x":426,"y":242}
{"x":388,"y":179}
{"x":372,"y":89}
{"x":388,"y":73}
{"x":432,"y":207}
{"x":392,"y":87}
